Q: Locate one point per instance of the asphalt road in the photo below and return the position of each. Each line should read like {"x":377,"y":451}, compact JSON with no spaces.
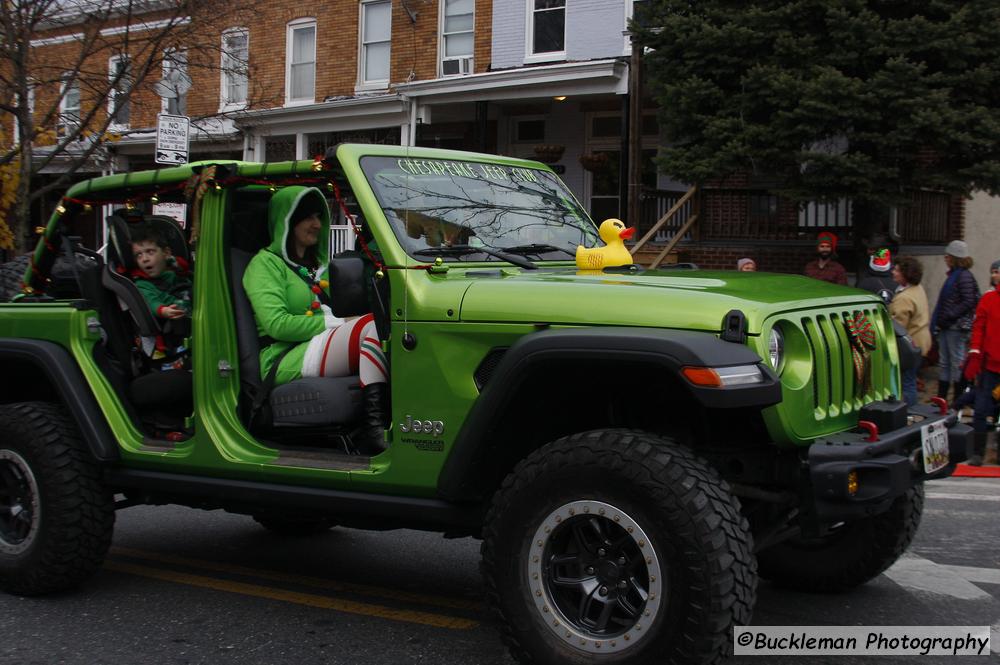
{"x":185,"y":586}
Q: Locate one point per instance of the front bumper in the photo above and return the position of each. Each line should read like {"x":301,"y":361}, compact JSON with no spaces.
{"x":885,"y":469}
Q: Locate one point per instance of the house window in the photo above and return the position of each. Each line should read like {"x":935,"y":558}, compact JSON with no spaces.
{"x":301,"y":58}
{"x":279,"y":148}
{"x":376,"y":30}
{"x":174,"y":85}
{"x":120,"y":85}
{"x":235,"y":68}
{"x":546,"y":29}
{"x":529,"y":130}
{"x":525,"y":133}
{"x":69,"y":106}
{"x":457,"y":36}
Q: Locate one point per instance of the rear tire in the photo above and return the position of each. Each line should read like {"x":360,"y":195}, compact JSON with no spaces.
{"x":619,"y":547}
{"x":56,"y":518}
{"x":851,"y":555}
{"x":11,"y":276}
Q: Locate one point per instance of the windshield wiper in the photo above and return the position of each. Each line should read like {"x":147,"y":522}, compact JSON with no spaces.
{"x":461,"y":250}
{"x":537,"y":248}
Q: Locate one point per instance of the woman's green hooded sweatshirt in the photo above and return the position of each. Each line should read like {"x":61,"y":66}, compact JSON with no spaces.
{"x":279,"y":295}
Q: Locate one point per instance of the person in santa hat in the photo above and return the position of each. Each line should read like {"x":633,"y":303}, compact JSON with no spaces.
{"x":825,"y":266}
{"x":876,"y":275}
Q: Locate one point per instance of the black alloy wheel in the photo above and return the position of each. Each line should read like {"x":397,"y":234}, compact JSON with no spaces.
{"x":598,"y":575}
{"x":19,"y":509}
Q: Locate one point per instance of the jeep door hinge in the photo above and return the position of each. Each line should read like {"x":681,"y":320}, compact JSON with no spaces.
{"x":225,"y":369}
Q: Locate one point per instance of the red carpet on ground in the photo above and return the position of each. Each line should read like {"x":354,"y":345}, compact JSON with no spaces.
{"x":967,"y":471}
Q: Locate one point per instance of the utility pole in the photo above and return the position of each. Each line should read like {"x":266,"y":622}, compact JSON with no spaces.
{"x":634,"y":136}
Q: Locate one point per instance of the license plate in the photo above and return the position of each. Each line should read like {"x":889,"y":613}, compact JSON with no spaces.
{"x":934,"y":438}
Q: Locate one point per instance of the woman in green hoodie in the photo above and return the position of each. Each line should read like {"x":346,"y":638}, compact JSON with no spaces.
{"x":290,"y":297}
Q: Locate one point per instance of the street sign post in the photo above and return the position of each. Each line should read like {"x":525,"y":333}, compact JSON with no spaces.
{"x":172,"y":139}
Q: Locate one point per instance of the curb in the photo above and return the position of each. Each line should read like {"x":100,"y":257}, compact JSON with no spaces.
{"x":966,"y":471}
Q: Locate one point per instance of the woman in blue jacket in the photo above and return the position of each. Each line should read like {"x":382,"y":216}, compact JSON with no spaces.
{"x":951,"y":322}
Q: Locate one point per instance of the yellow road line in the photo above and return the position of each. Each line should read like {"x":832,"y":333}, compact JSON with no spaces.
{"x":309,"y":599}
{"x":316,"y":582}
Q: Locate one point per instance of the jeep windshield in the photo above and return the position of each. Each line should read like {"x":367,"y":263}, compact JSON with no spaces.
{"x":450,"y":208}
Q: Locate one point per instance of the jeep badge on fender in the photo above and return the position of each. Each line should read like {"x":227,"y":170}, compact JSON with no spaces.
{"x":435,"y":427}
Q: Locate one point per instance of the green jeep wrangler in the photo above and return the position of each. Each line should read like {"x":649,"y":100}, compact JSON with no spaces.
{"x":634,"y":448}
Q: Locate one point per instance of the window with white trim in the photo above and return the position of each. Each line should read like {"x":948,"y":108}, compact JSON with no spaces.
{"x":69,"y":105}
{"x":546,"y":30}
{"x":235,"y":68}
{"x":119,"y":90}
{"x":376,"y":32}
{"x":300,"y":72}
{"x":175,"y":83}
{"x":526,"y":131}
{"x":457,"y":36}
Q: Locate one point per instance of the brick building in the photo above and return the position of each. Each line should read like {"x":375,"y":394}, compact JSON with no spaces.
{"x":550,"y":79}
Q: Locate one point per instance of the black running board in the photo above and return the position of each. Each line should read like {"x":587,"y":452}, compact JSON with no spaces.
{"x":356,"y":509}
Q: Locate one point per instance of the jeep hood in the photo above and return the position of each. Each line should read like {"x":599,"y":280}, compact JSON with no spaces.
{"x":690,"y":300}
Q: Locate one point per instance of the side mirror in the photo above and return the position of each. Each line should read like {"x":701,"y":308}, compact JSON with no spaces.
{"x":348,"y":293}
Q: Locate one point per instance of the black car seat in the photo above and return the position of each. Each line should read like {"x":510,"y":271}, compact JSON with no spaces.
{"x":121,"y":261}
{"x":308,"y":402}
{"x":162,"y":399}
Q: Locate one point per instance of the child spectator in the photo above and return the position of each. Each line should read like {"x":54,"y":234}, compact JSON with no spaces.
{"x":746,"y":265}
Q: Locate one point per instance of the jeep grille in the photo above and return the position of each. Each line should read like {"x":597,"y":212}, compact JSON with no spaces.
{"x":835,"y":387}
{"x":820,"y":394}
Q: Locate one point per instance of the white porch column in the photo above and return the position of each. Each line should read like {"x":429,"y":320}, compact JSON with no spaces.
{"x":249,"y":146}
{"x":302,"y":146}
{"x":408,"y":131}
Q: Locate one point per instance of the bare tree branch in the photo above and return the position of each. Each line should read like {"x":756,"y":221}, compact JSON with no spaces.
{"x":52,"y":48}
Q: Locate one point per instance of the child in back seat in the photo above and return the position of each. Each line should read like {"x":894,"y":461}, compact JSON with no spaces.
{"x":163,"y":280}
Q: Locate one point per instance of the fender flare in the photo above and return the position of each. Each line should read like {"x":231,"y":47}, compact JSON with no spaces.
{"x":59,"y":367}
{"x":668,"y":350}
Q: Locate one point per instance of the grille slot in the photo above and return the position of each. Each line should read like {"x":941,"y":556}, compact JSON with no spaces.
{"x":834,"y":385}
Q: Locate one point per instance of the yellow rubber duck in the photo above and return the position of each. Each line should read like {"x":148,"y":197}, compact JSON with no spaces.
{"x":614,"y":234}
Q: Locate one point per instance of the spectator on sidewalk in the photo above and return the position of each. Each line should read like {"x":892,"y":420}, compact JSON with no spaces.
{"x":877,"y":274}
{"x":983,"y":367}
{"x":746,"y":265}
{"x":952,"y":317}
{"x":825,"y":266}
{"x":909,"y":307}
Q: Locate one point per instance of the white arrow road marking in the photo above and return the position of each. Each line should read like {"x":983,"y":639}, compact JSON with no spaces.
{"x":963,"y":497}
{"x":973,"y":574}
{"x":915,"y":572}
{"x":963,"y":483}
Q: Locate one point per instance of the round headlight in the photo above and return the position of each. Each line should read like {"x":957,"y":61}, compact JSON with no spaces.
{"x":776,"y":348}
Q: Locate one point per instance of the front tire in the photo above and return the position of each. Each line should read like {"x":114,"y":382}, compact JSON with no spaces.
{"x":618,"y":545}
{"x":850,"y":555}
{"x":56,"y":518}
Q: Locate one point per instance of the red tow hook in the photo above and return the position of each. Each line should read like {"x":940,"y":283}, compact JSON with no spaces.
{"x":869,"y":427}
{"x":942,"y":404}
